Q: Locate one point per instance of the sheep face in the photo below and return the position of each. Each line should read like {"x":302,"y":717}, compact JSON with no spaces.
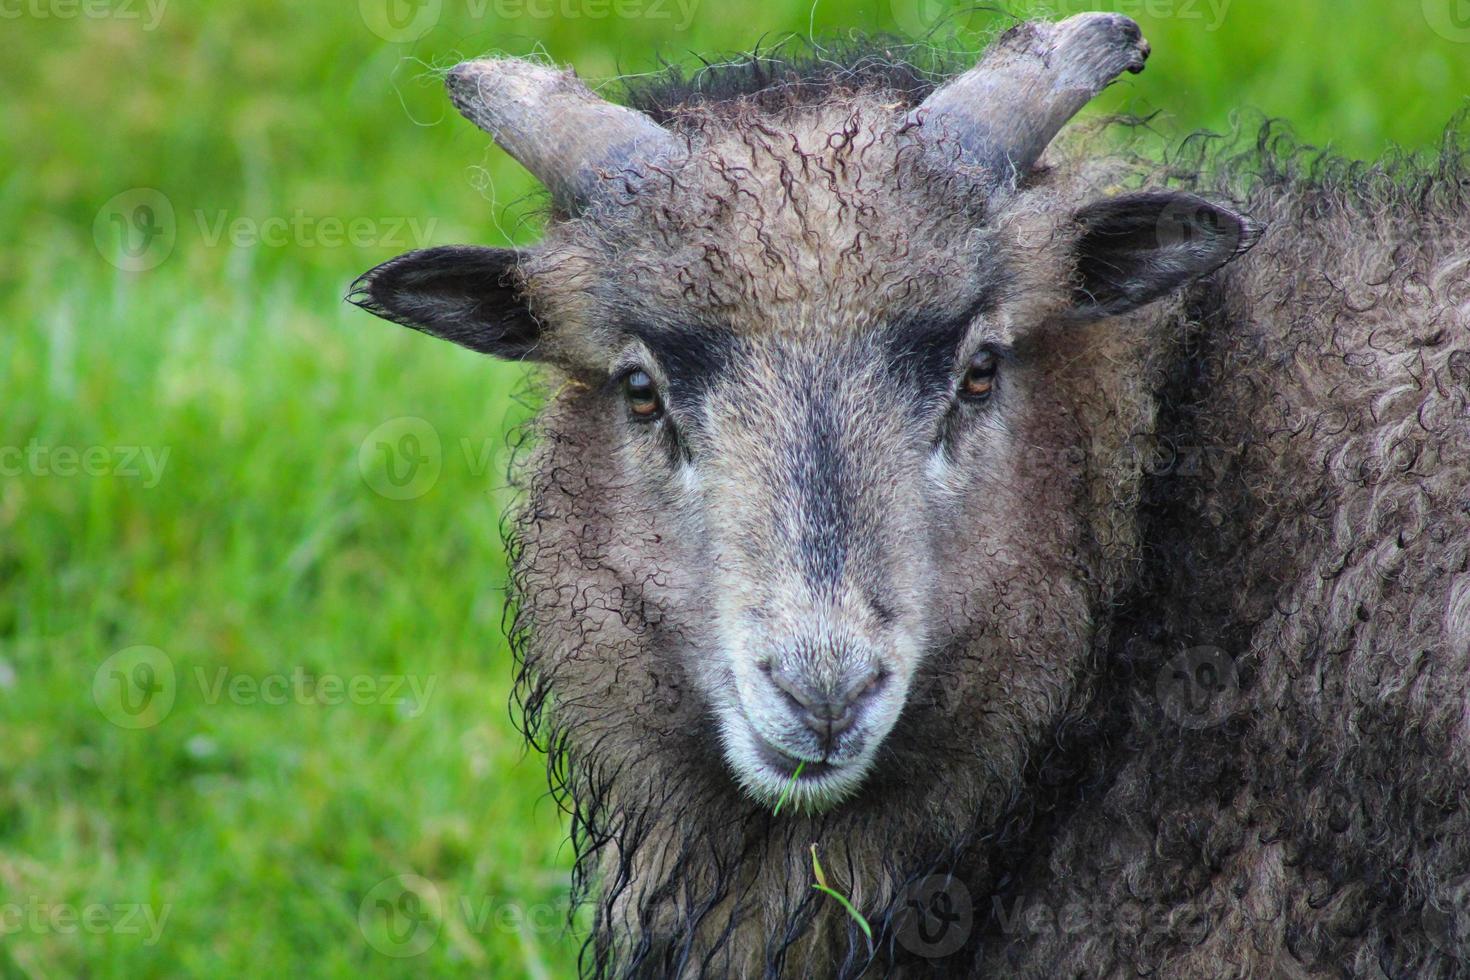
{"x":840,"y":444}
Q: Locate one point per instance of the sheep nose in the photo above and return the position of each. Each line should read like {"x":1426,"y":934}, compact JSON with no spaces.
{"x":828,"y":710}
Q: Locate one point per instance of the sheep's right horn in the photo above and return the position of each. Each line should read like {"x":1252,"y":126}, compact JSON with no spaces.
{"x":1006,"y":109}
{"x":556,"y":127}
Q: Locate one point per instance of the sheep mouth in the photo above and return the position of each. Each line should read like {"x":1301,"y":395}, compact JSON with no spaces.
{"x":765,"y":742}
{"x":787,"y":765}
{"x":769,"y":775}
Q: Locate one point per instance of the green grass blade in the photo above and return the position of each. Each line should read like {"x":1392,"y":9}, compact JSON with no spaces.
{"x":817,"y":868}
{"x":786,"y":793}
{"x":823,"y":887}
{"x":856,"y":915}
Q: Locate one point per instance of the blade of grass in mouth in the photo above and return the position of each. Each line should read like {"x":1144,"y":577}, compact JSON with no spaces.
{"x":790,"y":785}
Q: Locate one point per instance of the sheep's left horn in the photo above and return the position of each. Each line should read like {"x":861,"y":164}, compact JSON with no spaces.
{"x":1006,"y":109}
{"x":554,"y":125}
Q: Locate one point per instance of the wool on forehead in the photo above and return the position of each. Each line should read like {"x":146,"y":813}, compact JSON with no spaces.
{"x":806,"y":218}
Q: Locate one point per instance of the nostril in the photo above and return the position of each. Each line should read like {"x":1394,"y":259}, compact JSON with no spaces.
{"x":868,"y":685}
{"x":842,"y":713}
{"x":793,"y":693}
{"x":827,"y":711}
{"x":795,"y":704}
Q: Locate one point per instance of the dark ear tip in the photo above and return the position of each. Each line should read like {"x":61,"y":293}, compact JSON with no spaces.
{"x":359,"y":293}
{"x":366,"y":293}
{"x":368,"y":289}
{"x":373,"y":290}
{"x":1251,"y":231}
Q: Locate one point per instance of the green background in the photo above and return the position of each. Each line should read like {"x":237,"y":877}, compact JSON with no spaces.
{"x":270,"y":819}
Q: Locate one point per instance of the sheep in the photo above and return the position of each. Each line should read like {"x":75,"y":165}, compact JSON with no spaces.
{"x":1069,"y":551}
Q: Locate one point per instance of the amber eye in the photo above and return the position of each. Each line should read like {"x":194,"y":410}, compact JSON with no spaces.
{"x":642,"y":397}
{"x":979,"y":377}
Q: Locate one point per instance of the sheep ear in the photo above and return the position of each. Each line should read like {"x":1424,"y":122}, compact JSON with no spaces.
{"x":1136,"y":248}
{"x":462,"y":293}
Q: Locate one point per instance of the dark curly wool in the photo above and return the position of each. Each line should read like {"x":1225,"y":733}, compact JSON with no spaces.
{"x":1306,"y":530}
{"x":794,"y":75}
{"x":1193,"y":692}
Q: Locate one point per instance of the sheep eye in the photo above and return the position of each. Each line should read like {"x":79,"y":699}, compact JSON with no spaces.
{"x":641,"y":396}
{"x":979,"y":377}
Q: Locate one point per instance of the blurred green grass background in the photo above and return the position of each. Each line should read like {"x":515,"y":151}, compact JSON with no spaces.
{"x":257,"y":824}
